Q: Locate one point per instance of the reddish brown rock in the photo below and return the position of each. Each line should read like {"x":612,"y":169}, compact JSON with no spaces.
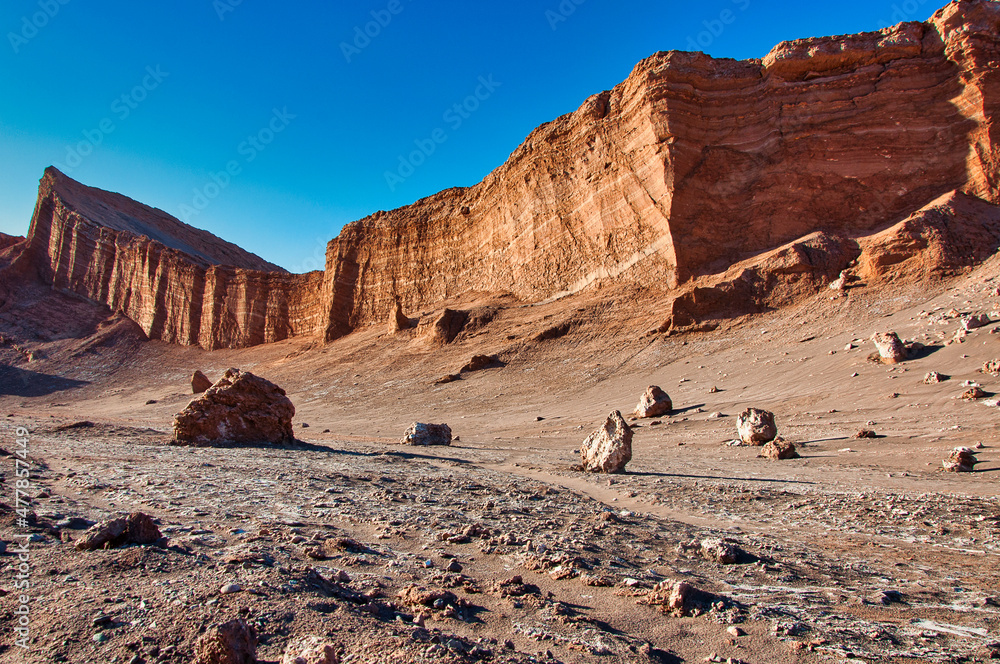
{"x":961,"y":460}
{"x":779,"y":450}
{"x":240,"y":408}
{"x":427,"y":434}
{"x":200,"y":382}
{"x":756,"y":426}
{"x":311,"y":650}
{"x":654,"y":403}
{"x":398,"y":320}
{"x":480,"y":362}
{"x":609,"y":449}
{"x":234,"y":642}
{"x":136,"y":528}
{"x":890,"y":349}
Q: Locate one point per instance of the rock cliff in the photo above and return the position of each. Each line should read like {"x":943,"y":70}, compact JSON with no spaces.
{"x":180,"y":284}
{"x":723,"y":185}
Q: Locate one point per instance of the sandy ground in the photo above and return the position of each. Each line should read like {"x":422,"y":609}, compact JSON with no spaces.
{"x":861,"y":550}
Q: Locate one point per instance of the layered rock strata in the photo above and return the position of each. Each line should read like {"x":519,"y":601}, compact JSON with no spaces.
{"x":729,"y":187}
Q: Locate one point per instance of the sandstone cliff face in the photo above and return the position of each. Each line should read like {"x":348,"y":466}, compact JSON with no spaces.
{"x":693,"y":164}
{"x":728,"y":186}
{"x":178,"y":283}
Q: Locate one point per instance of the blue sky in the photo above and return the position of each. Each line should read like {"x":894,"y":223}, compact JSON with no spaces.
{"x":274,"y":124}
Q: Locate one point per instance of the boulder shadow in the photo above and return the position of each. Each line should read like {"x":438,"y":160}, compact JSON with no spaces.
{"x":16,"y":382}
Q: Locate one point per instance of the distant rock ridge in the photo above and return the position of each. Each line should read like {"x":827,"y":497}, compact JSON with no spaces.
{"x":729,"y":187}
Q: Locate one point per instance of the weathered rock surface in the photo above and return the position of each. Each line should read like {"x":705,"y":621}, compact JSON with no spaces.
{"x":992,"y":367}
{"x":779,"y":450}
{"x":654,"y":403}
{"x":199,"y":382}
{"x":643,"y":184}
{"x":311,"y":650}
{"x":721,"y":551}
{"x":890,"y":349}
{"x":398,"y":321}
{"x":234,"y":642}
{"x":136,"y":528}
{"x":239,"y":408}
{"x":609,"y":449}
{"x":961,"y":460}
{"x":480,"y":362}
{"x":427,"y":434}
{"x":756,"y":426}
{"x":933,"y":377}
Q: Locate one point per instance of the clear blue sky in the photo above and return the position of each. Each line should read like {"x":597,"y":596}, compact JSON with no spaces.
{"x":182,"y":86}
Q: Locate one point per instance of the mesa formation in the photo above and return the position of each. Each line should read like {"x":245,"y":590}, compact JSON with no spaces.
{"x":707,"y":370}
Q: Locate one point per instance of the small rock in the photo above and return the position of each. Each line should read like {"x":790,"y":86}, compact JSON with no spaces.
{"x":961,"y":460}
{"x":934,"y":377}
{"x":735,"y":631}
{"x":778,"y":449}
{"x":230,"y":589}
{"x":311,"y":650}
{"x":975,"y":322}
{"x":890,"y":349}
{"x":427,"y":434}
{"x":721,"y":551}
{"x":136,"y":528}
{"x":200,"y":383}
{"x":992,"y":367}
{"x":865,"y":433}
{"x":234,"y":642}
{"x":480,"y":362}
{"x":653,"y":403}
{"x":609,"y":449}
{"x":973,"y":393}
{"x":756,"y":426}
{"x":454,"y":567}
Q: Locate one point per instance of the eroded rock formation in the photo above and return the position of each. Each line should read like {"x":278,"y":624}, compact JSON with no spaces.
{"x":729,"y":187}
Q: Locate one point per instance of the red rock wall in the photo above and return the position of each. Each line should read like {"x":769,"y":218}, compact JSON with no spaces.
{"x":689,"y":167}
{"x":693,"y":164}
{"x":172,"y":295}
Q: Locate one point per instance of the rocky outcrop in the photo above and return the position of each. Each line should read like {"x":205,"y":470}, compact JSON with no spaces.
{"x":779,"y":450}
{"x":240,"y":408}
{"x":178,"y":283}
{"x":609,"y":449}
{"x":726,"y":187}
{"x":961,"y":460}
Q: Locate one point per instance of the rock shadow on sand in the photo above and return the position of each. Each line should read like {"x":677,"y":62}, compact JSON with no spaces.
{"x":17,"y":382}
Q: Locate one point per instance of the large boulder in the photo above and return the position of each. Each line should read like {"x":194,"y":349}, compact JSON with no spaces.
{"x":608,"y":449}
{"x":234,"y":642}
{"x":427,"y":434}
{"x":199,"y":383}
{"x":136,"y":528}
{"x":240,"y":408}
{"x":654,"y":403}
{"x":756,"y":426}
{"x":890,"y":349}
